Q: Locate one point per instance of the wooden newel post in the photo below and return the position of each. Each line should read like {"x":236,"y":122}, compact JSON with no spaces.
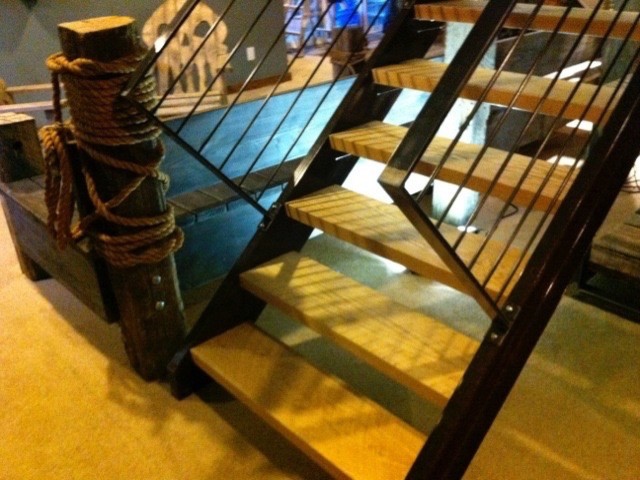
{"x":147,"y":294}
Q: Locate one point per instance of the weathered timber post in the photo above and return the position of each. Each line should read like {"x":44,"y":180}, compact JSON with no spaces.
{"x":109,"y":154}
{"x":20,"y":158}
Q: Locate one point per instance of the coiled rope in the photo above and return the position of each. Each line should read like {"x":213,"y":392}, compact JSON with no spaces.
{"x":100,"y":118}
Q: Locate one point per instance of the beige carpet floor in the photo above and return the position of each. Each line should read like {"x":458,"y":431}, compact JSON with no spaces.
{"x":70,"y":407}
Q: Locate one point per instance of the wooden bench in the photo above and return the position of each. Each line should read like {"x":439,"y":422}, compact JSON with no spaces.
{"x":216,"y":222}
{"x":610,"y":277}
{"x":619,"y":250}
{"x":217,"y":225}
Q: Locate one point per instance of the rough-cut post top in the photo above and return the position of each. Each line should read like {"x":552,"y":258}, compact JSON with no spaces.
{"x":101,"y":38}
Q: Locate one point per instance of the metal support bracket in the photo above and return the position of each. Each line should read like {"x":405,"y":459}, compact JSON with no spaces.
{"x":270,"y":216}
{"x":503,"y":322}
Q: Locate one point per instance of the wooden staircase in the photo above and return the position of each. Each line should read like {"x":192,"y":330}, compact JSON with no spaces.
{"x":349,"y":435}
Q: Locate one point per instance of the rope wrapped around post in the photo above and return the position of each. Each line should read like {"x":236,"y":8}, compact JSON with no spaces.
{"x":99,"y":117}
{"x":104,"y":162}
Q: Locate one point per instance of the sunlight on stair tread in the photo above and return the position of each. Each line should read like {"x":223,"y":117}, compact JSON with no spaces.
{"x":384,"y":230}
{"x":548,"y":19}
{"x":347,"y":434}
{"x":586,"y":101}
{"x":399,"y":341}
{"x":540,"y":182}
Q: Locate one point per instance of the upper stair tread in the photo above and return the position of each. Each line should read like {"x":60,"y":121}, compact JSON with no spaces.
{"x":383,"y":229}
{"x":424,"y":75}
{"x":548,"y":18}
{"x":377,"y":141}
{"x":347,"y":434}
{"x":413,"y":349}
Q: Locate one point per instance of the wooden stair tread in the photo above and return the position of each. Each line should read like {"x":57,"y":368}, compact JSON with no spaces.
{"x":413,"y":349}
{"x":424,"y":75}
{"x":377,"y":141}
{"x":347,"y":434}
{"x":548,"y":18}
{"x":382,"y":229}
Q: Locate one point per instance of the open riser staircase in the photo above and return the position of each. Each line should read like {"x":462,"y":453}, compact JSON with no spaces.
{"x":516,"y":272}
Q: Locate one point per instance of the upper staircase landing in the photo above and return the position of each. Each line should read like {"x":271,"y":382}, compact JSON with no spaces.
{"x":548,"y":18}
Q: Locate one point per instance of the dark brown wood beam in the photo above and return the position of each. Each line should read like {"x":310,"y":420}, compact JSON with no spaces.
{"x":148,"y":297}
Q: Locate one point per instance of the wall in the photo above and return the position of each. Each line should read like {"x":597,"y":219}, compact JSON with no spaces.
{"x":262,"y":37}
{"x":29,"y":35}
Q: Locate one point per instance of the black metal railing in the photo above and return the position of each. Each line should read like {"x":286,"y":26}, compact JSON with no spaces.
{"x":202,"y":123}
{"x":531,"y":259}
{"x":548,"y":190}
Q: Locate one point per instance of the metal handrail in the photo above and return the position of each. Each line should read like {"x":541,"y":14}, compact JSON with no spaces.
{"x":535,"y":157}
{"x":583,"y":151}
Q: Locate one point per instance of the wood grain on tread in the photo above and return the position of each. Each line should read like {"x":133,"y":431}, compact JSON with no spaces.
{"x":547,"y":19}
{"x":539,"y":184}
{"x":348,"y":435}
{"x":382,"y":229}
{"x":413,"y":349}
{"x":536,"y":94}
